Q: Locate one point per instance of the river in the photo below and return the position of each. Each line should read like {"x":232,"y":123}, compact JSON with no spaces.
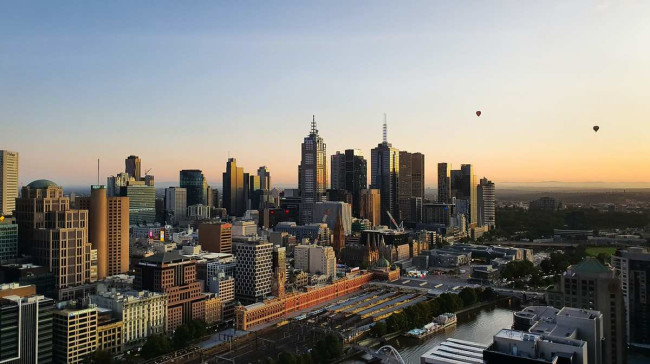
{"x":480,"y":327}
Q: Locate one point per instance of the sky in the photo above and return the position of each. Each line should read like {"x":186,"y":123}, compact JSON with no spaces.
{"x":184,"y":85}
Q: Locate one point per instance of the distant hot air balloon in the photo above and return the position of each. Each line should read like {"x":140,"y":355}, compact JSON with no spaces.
{"x":478,"y":113}
{"x":596,"y":127}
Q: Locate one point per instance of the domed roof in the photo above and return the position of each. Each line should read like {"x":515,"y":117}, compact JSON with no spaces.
{"x":383,"y":263}
{"x":42,"y":184}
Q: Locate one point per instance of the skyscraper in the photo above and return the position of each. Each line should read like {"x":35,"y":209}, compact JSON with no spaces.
{"x":46,"y":224}
{"x":98,"y":227}
{"x":196,"y":185}
{"x":233,"y":189}
{"x":132,"y":164}
{"x":265,"y":178}
{"x":176,"y":204}
{"x":463,"y":187}
{"x":486,"y":203}
{"x":411,"y":183}
{"x":384,"y":177}
{"x":444,"y":183}
{"x":592,"y":286}
{"x":371,"y":206}
{"x":8,"y":181}
{"x":632,"y":267}
{"x":350,"y":173}
{"x":312,"y":172}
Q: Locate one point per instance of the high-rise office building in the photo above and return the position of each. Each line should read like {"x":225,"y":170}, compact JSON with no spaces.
{"x":175,"y":275}
{"x":45,"y":225}
{"x":385,"y":176}
{"x":38,"y":198}
{"x":265,"y":178}
{"x":350,"y":173}
{"x":216,"y":237}
{"x":142,"y":203}
{"x":592,"y":286}
{"x":312,"y":177}
{"x":193,"y":181}
{"x":253,"y":271}
{"x":463,"y":187}
{"x":175,"y":204}
{"x":133,"y":167}
{"x":411,"y":183}
{"x":118,"y":235}
{"x":98,"y":227}
{"x":371,"y":206}
{"x":8,"y":181}
{"x":632,"y":267}
{"x":486,"y":203}
{"x":108,"y":230}
{"x":8,"y":239}
{"x":444,"y":183}
{"x":234,"y":197}
{"x":26,"y":322}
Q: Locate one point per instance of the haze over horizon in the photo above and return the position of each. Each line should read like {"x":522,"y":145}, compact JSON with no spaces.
{"x":185,"y":86}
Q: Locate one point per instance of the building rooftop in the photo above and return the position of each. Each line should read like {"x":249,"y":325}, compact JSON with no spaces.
{"x":42,"y":184}
{"x":166,"y":257}
{"x":590,"y":265}
{"x":455,"y":352}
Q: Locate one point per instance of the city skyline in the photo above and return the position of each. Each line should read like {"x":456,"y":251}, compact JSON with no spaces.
{"x":121,"y":79}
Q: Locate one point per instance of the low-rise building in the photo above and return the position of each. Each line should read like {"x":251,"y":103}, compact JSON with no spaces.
{"x":142,"y":313}
{"x":75,"y":332}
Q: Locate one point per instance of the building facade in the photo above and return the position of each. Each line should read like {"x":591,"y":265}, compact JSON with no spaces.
{"x":371,"y":206}
{"x":253,"y":271}
{"x":411,"y":184}
{"x":312,"y":176}
{"x":384,"y":176}
{"x":216,"y":237}
{"x":174,"y":275}
{"x":8,"y":181}
{"x":632,"y":267}
{"x":486,"y":203}
{"x":234,"y":199}
{"x":175,"y":204}
{"x":195,"y":184}
{"x":349,"y":172}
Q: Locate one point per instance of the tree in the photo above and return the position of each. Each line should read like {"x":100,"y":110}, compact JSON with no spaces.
{"x":156,"y":345}
{"x":99,"y":357}
{"x":488,"y":294}
{"x":468,"y":295}
{"x":287,"y":358}
{"x":449,"y":302}
{"x":182,"y":336}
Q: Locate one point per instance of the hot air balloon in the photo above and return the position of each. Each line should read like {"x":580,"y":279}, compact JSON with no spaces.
{"x":596,"y":127}
{"x":478,"y":113}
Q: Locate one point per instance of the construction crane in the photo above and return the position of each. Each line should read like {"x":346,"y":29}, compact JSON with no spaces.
{"x":146,"y":173}
{"x":399,"y":227}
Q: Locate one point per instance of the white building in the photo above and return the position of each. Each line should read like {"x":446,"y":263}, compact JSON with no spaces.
{"x":142,"y":313}
{"x":315,"y":259}
{"x":176,"y":203}
{"x":244,"y":228}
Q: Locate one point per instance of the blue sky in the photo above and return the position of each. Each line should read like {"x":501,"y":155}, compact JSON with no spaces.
{"x":185,"y":84}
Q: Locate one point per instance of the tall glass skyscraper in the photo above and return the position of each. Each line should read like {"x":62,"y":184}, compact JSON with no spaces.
{"x":234,"y":196}
{"x":350,"y":173}
{"x":312,"y":177}
{"x":384,"y":176}
{"x":196,"y":185}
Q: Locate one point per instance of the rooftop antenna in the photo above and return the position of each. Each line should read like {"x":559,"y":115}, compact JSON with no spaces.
{"x":98,"y":171}
{"x":313,"y":125}
{"x":385,"y":130}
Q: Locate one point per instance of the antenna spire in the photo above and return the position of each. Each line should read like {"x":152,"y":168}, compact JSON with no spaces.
{"x":385,"y":130}
{"x":313,"y":125}
{"x":97,"y":171}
